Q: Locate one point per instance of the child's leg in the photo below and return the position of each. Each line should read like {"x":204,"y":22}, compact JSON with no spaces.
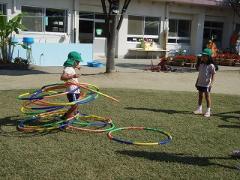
{"x":73,"y":109}
{"x":208,"y":100}
{"x":200,"y":97}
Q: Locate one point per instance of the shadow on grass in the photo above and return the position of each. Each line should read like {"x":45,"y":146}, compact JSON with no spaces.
{"x":167,"y":111}
{"x":229,"y":126}
{"x":176,"y":158}
{"x":225,"y":116}
{"x":8,"y":128}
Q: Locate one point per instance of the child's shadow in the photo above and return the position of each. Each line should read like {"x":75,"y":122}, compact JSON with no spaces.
{"x":176,"y":158}
{"x":226,"y":116}
{"x":167,"y":111}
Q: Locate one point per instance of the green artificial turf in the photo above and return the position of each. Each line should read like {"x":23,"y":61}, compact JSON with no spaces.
{"x":199,"y":150}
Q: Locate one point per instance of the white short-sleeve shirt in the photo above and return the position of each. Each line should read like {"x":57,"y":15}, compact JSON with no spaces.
{"x":205,"y":75}
{"x":71,"y":71}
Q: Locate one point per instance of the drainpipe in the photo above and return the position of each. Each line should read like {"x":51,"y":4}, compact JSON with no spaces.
{"x":13,"y":6}
{"x":74,"y":23}
{"x":166,"y":25}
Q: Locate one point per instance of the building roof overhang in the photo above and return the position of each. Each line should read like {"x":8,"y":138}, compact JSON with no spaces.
{"x":194,"y":2}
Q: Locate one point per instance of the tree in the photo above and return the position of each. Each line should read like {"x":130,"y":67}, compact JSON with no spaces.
{"x":113,"y":24}
{"x":7,"y":29}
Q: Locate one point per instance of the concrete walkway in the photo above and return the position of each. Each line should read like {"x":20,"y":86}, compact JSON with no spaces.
{"x":129,"y":74}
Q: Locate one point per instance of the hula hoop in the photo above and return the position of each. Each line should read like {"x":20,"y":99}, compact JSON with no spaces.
{"x":22,"y":125}
{"x":45,"y":113}
{"x":165,"y":141}
{"x":78,"y":124}
{"x":83,"y":85}
{"x":90,"y":96}
{"x":45,"y":106}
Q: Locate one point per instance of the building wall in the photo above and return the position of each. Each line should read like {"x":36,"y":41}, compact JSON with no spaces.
{"x":196,"y":13}
{"x":54,"y":54}
{"x":139,"y":8}
{"x":99,"y":43}
{"x":50,"y":48}
{"x":9,"y":6}
{"x":46,"y":37}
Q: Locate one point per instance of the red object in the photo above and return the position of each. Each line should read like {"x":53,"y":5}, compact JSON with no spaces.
{"x":187,"y":58}
{"x":228,"y":56}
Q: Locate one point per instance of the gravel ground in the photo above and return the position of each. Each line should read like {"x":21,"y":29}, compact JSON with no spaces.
{"x":129,"y":73}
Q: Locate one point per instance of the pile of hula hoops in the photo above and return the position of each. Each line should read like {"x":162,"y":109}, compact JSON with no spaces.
{"x":46,"y":106}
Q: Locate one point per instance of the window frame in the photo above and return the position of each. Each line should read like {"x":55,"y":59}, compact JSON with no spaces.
{"x":94,"y":20}
{"x":177,"y":37}
{"x":144,"y":36}
{"x":4,"y":8}
{"x":65,"y":21}
{"x":44,"y":19}
{"x":212,"y":28}
{"x":98,"y":20}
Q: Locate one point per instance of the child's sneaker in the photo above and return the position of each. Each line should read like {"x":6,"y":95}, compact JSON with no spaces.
{"x":207,"y":114}
{"x":236,"y":153}
{"x":198,"y":111}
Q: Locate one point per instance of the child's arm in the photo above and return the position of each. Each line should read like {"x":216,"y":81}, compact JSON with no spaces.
{"x":213,"y":75}
{"x":213,"y":79}
{"x":196,"y":82}
{"x":65,"y":76}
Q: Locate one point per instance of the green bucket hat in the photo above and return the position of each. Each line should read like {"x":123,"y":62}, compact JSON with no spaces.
{"x":207,"y":52}
{"x":73,"y":57}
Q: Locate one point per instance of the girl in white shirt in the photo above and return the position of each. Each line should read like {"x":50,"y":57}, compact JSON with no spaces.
{"x":205,"y":80}
{"x":69,"y":75}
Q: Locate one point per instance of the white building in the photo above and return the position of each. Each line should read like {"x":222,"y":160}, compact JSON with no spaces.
{"x":182,"y":24}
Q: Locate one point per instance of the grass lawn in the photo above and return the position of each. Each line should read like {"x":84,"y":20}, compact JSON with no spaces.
{"x":200,"y":148}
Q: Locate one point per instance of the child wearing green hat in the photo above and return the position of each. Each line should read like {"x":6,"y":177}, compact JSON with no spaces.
{"x":205,"y":80}
{"x":69,"y":75}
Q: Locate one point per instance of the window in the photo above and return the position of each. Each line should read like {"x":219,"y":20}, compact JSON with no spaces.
{"x":56,"y":20}
{"x":3,"y":9}
{"x":40,"y":19}
{"x":213,"y":30}
{"x":143,"y":27}
{"x":135,"y":25}
{"x":173,"y":28}
{"x":151,"y":26}
{"x":100,"y":26}
{"x":33,"y":18}
{"x":86,"y":27}
{"x":237,"y":27}
{"x":91,"y":25}
{"x":179,"y":31}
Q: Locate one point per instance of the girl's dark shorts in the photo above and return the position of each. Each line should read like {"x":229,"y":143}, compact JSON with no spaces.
{"x":73,"y":97}
{"x":204,"y":89}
